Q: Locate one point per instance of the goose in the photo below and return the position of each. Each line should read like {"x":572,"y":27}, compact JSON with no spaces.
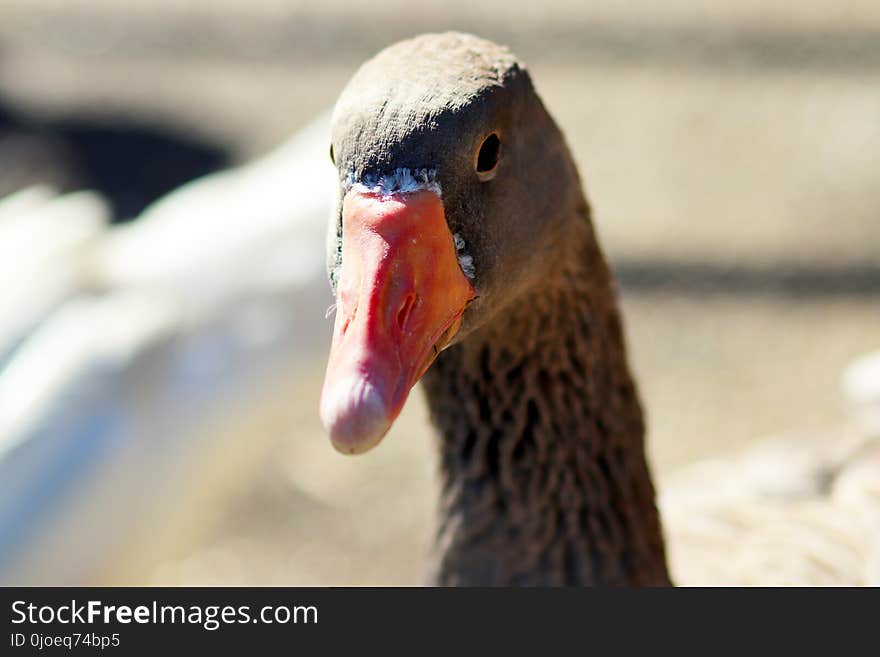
{"x":462,"y":254}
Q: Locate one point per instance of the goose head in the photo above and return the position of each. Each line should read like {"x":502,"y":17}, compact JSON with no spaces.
{"x":455,"y":186}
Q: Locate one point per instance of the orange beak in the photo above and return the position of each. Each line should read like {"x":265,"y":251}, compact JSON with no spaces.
{"x":400,"y":297}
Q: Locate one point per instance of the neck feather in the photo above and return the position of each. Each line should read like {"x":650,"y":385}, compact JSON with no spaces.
{"x":543,"y":467}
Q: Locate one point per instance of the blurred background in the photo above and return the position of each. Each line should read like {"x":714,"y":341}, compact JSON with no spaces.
{"x":162,"y":341}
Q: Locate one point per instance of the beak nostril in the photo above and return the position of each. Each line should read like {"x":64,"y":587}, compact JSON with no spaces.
{"x":348,"y":321}
{"x":405,"y":310}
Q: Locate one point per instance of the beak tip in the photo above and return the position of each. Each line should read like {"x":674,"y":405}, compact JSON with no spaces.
{"x":355,"y":415}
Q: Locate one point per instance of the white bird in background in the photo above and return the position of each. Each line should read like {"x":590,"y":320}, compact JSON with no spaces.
{"x":134,"y":358}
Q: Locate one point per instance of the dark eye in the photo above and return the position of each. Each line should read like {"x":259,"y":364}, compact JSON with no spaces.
{"x":486,"y":162}
{"x":332,"y":156}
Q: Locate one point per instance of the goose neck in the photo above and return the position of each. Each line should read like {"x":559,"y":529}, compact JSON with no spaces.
{"x":543,"y":468}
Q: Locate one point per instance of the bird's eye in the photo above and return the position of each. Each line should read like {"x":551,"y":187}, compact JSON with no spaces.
{"x":332,"y":156}
{"x":486,"y":160}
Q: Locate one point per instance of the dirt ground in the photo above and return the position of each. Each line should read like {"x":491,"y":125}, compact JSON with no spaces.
{"x":732,"y":157}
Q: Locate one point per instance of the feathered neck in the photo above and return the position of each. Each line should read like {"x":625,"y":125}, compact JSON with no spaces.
{"x":544,"y":478}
